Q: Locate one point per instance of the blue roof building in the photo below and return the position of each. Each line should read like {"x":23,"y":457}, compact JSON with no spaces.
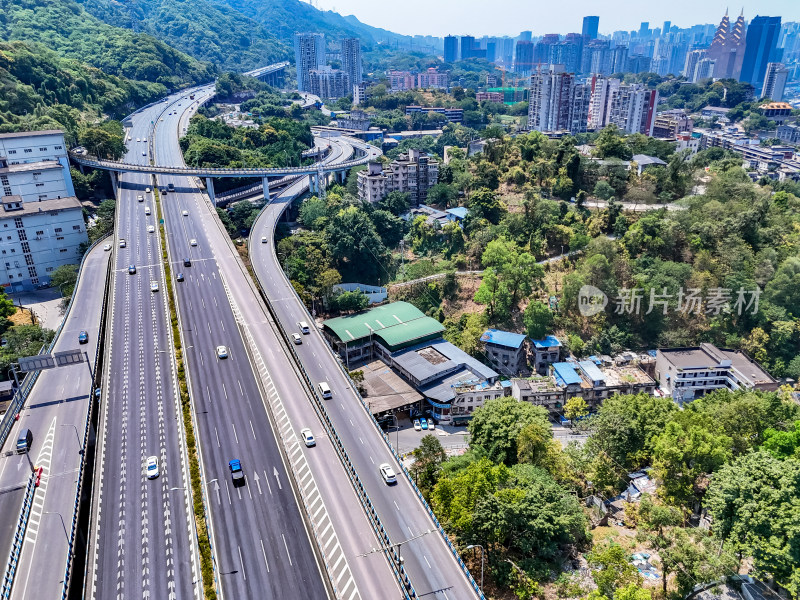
{"x":545,"y":352}
{"x":565,"y":374}
{"x":549,"y":341}
{"x":591,"y":371}
{"x":507,"y":351}
{"x":457,"y":214}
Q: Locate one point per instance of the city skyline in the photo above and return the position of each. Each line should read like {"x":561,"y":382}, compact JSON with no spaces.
{"x":451,"y":17}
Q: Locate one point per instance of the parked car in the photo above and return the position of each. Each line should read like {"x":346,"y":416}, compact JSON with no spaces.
{"x":423,"y":423}
{"x":388,"y":473}
{"x":417,"y":425}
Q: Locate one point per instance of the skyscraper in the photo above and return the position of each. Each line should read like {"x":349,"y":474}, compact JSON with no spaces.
{"x":523,"y":58}
{"x":590,"y":26}
{"x":727,"y":49}
{"x":760,"y":48}
{"x":351,"y":60}
{"x":666,"y":28}
{"x":644,"y":29}
{"x":309,"y":54}
{"x":689,"y":66}
{"x":450,"y":49}
{"x":467,"y":46}
{"x":775,"y":81}
{"x":525,"y":36}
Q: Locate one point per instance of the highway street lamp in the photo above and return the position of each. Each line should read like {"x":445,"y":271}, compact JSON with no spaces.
{"x":77,"y":435}
{"x":472,"y":546}
{"x":66,"y":535}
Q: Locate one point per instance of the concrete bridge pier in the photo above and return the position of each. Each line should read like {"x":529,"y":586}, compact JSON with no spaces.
{"x":265,"y":183}
{"x":210,"y":190}
{"x":114,"y":182}
{"x":312,"y":184}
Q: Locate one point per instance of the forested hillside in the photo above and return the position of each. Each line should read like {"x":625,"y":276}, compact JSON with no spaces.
{"x":234,"y":35}
{"x":64,"y":27}
{"x":40,"y":90}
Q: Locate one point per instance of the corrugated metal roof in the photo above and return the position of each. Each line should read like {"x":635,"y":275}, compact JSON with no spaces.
{"x":591,"y":370}
{"x":566,"y":373}
{"x":460,"y":212}
{"x":361,"y":325}
{"x":402,"y":333}
{"x":503,"y":338}
{"x":550,"y":341}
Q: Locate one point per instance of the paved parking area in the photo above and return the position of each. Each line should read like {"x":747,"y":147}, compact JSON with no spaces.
{"x":45,"y":304}
{"x":455,"y":440}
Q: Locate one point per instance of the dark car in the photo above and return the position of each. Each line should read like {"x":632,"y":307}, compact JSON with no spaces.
{"x":179,"y":277}
{"x":132,"y":269}
{"x":83,"y":337}
{"x":187,"y":262}
{"x":237,"y":475}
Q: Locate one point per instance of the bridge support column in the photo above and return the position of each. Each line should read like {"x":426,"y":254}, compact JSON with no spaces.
{"x":114,"y":182}
{"x":265,"y":183}
{"x":210,"y":190}
{"x":312,"y":184}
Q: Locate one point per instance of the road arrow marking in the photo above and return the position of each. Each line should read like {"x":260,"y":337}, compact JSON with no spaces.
{"x":275,"y":472}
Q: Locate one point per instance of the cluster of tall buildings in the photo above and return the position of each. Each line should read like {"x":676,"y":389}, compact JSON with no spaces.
{"x":313,"y":73}
{"x":735,"y":49}
{"x":561,"y":102}
{"x":431,"y":78}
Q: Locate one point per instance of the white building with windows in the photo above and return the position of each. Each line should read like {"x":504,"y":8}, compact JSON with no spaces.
{"x":37,"y":237}
{"x":34,"y":165}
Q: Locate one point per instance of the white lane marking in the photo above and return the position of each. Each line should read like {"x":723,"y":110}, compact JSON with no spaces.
{"x":224,"y":390}
{"x":287,"y":550}
{"x":223,"y":324}
{"x":395,"y":504}
{"x":253,"y":430}
{"x":426,"y":561}
{"x":269,"y":487}
{"x":411,"y":533}
{"x":373,"y":462}
{"x":217,"y":434}
{"x":265,"y":555}
{"x":242,"y":562}
{"x":234,"y":433}
{"x":241,"y":391}
{"x":228,"y":491}
{"x":360,"y":440}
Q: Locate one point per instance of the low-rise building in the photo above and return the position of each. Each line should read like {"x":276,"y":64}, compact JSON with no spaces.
{"x":36,"y":238}
{"x":506,"y":351}
{"x":544,"y":353}
{"x":489,"y":97}
{"x":541,"y":391}
{"x":357,"y":119}
{"x":433,"y":79}
{"x":670,"y":123}
{"x":413,"y":172}
{"x":644,"y":162}
{"x":688,"y":373}
{"x":776,"y":111}
{"x":400,"y":80}
{"x":454,"y":115}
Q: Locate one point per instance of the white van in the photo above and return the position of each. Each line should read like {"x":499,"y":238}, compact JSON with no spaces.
{"x":147,"y":210}
{"x":325,"y":390}
{"x":304,"y":327}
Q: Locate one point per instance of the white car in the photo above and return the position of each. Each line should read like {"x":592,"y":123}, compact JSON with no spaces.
{"x":296,"y":338}
{"x":185,"y":213}
{"x":388,"y":473}
{"x":144,"y":153}
{"x":417,"y":425}
{"x":308,"y":437}
{"x":193,"y":242}
{"x":263,"y":240}
{"x":304,"y":327}
{"x":222,"y":352}
{"x":151,"y":467}
{"x":122,"y":243}
{"x":138,"y":140}
{"x":140,"y":198}
{"x":147,"y":190}
{"x":107,"y":247}
{"x":153,"y":286}
{"x":151,"y":228}
{"x":431,"y":425}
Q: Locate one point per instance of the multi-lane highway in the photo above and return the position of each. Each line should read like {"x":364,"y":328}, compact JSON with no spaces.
{"x":261,"y":544}
{"x":430,"y":564}
{"x":56,"y":412}
{"x":142,"y":541}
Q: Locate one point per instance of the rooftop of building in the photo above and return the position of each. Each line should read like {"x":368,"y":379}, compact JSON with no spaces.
{"x":42,"y":165}
{"x":591,"y":370}
{"x":506,"y":339}
{"x":707,"y":355}
{"x":549,"y":341}
{"x":566,"y":373}
{"x":22,"y":134}
{"x":443,"y":391}
{"x":776,"y":106}
{"x":36,"y":206}
{"x":395,"y":323}
{"x":626,"y":375}
{"x":644,"y":160}
{"x":545,"y":383}
{"x":459,"y":212}
{"x":435,"y":357}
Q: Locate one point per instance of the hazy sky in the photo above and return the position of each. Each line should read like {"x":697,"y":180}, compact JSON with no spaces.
{"x":509,"y":17}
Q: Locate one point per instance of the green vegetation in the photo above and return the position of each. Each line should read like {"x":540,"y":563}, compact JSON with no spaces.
{"x":21,"y":340}
{"x":276,"y":142}
{"x":67,"y":29}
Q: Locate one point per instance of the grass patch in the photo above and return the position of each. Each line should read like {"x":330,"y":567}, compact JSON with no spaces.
{"x":206,"y":567}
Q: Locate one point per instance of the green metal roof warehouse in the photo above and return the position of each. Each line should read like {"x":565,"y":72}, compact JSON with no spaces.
{"x":397,"y":325}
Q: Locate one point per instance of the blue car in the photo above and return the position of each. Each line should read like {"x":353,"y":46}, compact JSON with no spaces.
{"x":83,"y":337}
{"x":424,"y":424}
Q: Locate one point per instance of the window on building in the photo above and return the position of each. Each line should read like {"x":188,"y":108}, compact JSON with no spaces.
{"x":57,"y":148}
{"x":40,"y":233}
{"x":48,"y":269}
{"x":35,"y":281}
{"x":63,"y":250}
{"x":42,"y":149}
{"x":17,"y":222}
{"x":42,"y":196}
{"x":12,"y":151}
{"x":58,"y":229}
{"x":59,"y":237}
{"x":11,"y":277}
{"x":39,"y":185}
{"x":36,"y":174}
{"x":76,"y":227}
{"x":28,"y":150}
{"x":26,"y":247}
{"x":31,"y":271}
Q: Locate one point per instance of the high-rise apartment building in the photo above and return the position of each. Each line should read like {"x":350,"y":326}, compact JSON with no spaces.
{"x":309,"y":54}
{"x":525,"y":36}
{"x":639,"y":63}
{"x":327,"y":82}
{"x":433,"y":79}
{"x":556,"y":102}
{"x":602,"y":88}
{"x":727,"y":48}
{"x":401,"y":80}
{"x":590,"y":26}
{"x":632,"y":108}
{"x":704,"y":70}
{"x":690,"y":64}
{"x":468,"y":47}
{"x":523,"y":58}
{"x":413,"y":172}
{"x":775,"y":81}
{"x":760,"y":49}
{"x":450,"y":49}
{"x":619,"y":59}
{"x":351,"y":60}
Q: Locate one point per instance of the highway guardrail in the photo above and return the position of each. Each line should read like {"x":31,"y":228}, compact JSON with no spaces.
{"x":19,"y":538}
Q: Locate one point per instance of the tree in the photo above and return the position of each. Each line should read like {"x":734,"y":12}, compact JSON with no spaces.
{"x":428,"y":459}
{"x":684,"y":454}
{"x":536,"y":446}
{"x":355,"y":245}
{"x":485,"y":204}
{"x":442,"y":194}
{"x":351,"y":301}
{"x":603,"y":190}
{"x":753,"y":501}
{"x":396,"y":203}
{"x":65,"y":277}
{"x":538,"y":319}
{"x":610,"y":144}
{"x":7,"y":309}
{"x":575,"y":408}
{"x":612,"y":570}
{"x":497,"y":424}
{"x":494,"y":293}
